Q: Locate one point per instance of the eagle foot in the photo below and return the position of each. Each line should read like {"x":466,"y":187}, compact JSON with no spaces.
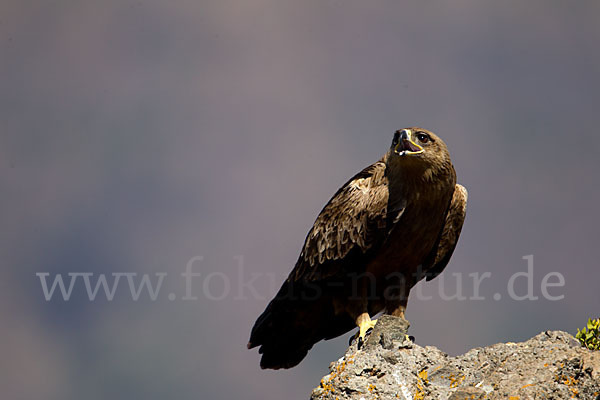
{"x":365,"y":328}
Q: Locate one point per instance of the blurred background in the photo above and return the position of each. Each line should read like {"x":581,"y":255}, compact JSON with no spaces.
{"x":137,"y":135}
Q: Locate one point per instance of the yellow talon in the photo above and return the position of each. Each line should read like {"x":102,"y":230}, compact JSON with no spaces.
{"x":365,"y":324}
{"x":364,"y":328}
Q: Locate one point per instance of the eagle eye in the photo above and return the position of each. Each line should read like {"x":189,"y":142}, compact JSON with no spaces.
{"x":396,"y":138}
{"x":423,"y":137}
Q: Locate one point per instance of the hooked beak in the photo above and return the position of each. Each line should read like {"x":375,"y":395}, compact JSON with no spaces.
{"x":406,"y":146}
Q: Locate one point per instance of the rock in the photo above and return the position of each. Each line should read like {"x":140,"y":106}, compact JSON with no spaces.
{"x":551,"y":365}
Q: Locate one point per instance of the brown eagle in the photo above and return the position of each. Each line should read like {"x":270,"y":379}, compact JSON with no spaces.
{"x":391,"y":225}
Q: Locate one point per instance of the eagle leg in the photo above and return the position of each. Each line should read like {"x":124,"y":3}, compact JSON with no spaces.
{"x":397,"y":309}
{"x":396,"y":303}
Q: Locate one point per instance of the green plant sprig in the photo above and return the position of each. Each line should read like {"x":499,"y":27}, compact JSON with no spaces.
{"x":590,"y":335}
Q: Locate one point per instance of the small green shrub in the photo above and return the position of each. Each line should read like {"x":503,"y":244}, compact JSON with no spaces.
{"x":590,"y":336}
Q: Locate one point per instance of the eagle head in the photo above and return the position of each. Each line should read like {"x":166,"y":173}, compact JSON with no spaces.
{"x":418,"y":147}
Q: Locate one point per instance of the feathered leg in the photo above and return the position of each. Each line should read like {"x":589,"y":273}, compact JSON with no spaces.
{"x":358,"y":307}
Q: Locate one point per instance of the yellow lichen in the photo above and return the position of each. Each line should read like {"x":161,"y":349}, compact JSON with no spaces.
{"x":454,"y":380}
{"x":570,"y":382}
{"x":420,"y":393}
{"x":531,"y":384}
{"x":336,"y":371}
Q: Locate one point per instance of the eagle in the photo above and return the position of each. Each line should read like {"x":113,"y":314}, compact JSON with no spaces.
{"x":394,"y":223}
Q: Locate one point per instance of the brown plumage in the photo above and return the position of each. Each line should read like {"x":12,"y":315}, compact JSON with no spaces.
{"x":394,"y":223}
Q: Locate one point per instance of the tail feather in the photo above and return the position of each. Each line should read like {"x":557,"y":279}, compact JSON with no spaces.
{"x":289,"y":327}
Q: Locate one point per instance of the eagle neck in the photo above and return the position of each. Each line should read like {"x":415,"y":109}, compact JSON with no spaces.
{"x":417,"y":183}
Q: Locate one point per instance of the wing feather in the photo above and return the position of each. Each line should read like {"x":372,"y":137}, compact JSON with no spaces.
{"x":355,"y":221}
{"x":450,"y":233}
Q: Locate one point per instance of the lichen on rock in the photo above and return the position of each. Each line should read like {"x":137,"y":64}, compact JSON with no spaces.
{"x":551,"y":365}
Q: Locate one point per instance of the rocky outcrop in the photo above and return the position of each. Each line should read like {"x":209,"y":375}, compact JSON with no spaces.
{"x":551,"y":365}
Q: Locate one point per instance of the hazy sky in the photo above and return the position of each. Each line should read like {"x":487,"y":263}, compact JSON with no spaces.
{"x":137,"y":135}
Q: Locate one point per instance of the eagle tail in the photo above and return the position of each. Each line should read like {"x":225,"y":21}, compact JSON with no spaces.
{"x":292,"y":324}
